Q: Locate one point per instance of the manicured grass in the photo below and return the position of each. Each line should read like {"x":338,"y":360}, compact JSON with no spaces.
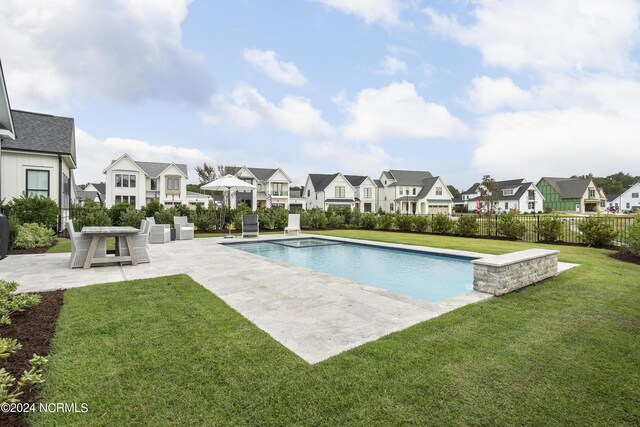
{"x":63,"y":245}
{"x":167,"y":351}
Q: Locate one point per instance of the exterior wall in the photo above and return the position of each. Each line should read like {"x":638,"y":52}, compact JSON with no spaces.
{"x":627,"y":201}
{"x":446,"y":195}
{"x":279,"y":178}
{"x":553,"y":200}
{"x":165,"y":197}
{"x":313,"y":199}
{"x":359,"y":192}
{"x":246,"y":175}
{"x":126,"y":166}
{"x":523,"y":203}
{"x":330,"y":191}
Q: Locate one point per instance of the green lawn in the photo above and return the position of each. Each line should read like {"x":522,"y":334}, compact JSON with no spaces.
{"x":167,"y":351}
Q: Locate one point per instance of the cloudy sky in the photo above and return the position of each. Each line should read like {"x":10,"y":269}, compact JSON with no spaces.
{"x":513,"y":88}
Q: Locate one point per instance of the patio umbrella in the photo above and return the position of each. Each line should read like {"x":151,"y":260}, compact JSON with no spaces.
{"x":228,"y":183}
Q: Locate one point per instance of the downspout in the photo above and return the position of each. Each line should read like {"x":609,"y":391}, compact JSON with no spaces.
{"x":59,"y":194}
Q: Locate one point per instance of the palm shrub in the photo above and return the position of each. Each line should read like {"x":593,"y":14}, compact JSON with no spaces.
{"x":386,"y":221}
{"x":550,"y":228}
{"x":404,"y":222}
{"x":33,"y":235}
{"x":368,"y":221}
{"x":421,"y":223}
{"x":34,"y":209}
{"x":510,"y":226}
{"x":442,"y":224}
{"x":467,"y":225}
{"x":596,"y":231}
{"x":632,"y":241}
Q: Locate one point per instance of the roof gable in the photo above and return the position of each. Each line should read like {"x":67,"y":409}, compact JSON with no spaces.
{"x":6,"y":121}
{"x":356,"y":180}
{"x":404,"y":177}
{"x":321,"y":181}
{"x":569,"y":188}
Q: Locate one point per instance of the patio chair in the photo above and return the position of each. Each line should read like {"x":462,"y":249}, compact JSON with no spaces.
{"x":158,"y":233}
{"x":294,"y":224}
{"x":184,"y":228}
{"x":80,"y":247}
{"x":250,"y":225}
{"x":140,"y":243}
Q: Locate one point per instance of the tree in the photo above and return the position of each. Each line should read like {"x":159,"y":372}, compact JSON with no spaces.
{"x":617,"y":183}
{"x":489,"y":193}
{"x":206,"y":173}
{"x":454,"y":191}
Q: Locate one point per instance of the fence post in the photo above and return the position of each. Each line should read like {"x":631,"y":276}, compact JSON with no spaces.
{"x":496,"y":225}
{"x":537,"y":228}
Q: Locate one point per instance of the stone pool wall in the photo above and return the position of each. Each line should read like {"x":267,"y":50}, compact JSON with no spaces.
{"x":500,"y":274}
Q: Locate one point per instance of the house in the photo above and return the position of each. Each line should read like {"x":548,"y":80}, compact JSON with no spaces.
{"x":366,"y":195}
{"x":571,"y":195}
{"x":326,"y":191}
{"x":614,"y":203}
{"x":413,"y":192}
{"x":630,"y":199}
{"x":137,"y":182}
{"x":99,"y":187}
{"x":40,"y":160}
{"x":297,"y":200}
{"x":272,"y":188}
{"x":515,"y":195}
{"x":92,"y":191}
{"x":6,"y":121}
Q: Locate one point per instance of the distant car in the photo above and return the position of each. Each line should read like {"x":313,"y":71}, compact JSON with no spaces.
{"x":217,"y":204}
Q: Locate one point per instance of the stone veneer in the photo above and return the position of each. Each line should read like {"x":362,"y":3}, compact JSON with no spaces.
{"x":501,"y":274}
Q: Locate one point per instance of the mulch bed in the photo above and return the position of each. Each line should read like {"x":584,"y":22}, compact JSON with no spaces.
{"x":626,"y":257}
{"x":30,"y":251}
{"x":33,"y":328}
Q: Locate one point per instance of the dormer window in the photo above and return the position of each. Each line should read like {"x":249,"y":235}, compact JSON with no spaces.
{"x":507,"y":192}
{"x":438,"y":191}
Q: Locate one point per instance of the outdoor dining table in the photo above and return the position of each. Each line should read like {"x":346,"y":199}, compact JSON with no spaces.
{"x":119,"y":232}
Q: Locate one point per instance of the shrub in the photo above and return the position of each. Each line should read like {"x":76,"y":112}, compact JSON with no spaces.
{"x":317,"y":219}
{"x":510,"y":226}
{"x":356,"y":219}
{"x":34,"y":209}
{"x":151,"y":208}
{"x":11,"y":303}
{"x":117,"y":210}
{"x":33,"y":235}
{"x":467,"y":225}
{"x":550,"y":228}
{"x":386,"y":221}
{"x":596,"y":231}
{"x":165,"y":216}
{"x":182,"y":210}
{"x":266,"y":219}
{"x":368,"y":221}
{"x":421,"y":223}
{"x":90,"y":214}
{"x":404,"y":222}
{"x":442,"y":224}
{"x":280,"y":218}
{"x":632,"y":241}
{"x":13,"y":233}
{"x":206,"y":220}
{"x":336,"y":220}
{"x":10,"y":393}
{"x":131,"y":218}
{"x":237,"y":214}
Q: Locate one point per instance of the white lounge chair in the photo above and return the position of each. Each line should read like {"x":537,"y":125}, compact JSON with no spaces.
{"x":184,"y":229}
{"x":159,"y":233}
{"x":250,"y":225}
{"x":80,"y":247}
{"x":140,"y":243}
{"x":294,"y":224}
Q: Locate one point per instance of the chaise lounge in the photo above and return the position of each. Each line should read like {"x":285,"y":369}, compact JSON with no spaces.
{"x":250,"y":225}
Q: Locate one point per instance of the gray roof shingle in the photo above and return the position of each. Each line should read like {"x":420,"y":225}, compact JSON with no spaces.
{"x":262,"y":174}
{"x":569,"y":188}
{"x":320,"y":180}
{"x":100,"y":186}
{"x":43,"y":133}
{"x":355,"y":180}
{"x":404,"y":177}
{"x":154,"y":169}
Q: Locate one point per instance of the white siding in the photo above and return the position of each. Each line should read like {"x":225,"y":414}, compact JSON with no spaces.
{"x":126,"y":166}
{"x":627,"y":202}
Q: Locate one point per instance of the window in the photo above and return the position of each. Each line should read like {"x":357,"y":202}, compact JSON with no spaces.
{"x":339,"y":192}
{"x":118,"y":180}
{"x":438,"y":191}
{"x":126,"y":199}
{"x":414,"y":191}
{"x":385,"y":182}
{"x":125,"y":180}
{"x":37,"y":183}
{"x":634,"y":195}
{"x":308,"y":193}
{"x":628,"y":205}
{"x":506,"y":206}
{"x":592,"y":193}
{"x":277,"y":189}
{"x":401,"y":191}
{"x":532,"y":195}
{"x":508,"y":192}
{"x":173,"y":184}
{"x":132,"y":181}
{"x":367,"y":192}
{"x":391,"y":207}
{"x":154,"y":184}
{"x":532,"y":206}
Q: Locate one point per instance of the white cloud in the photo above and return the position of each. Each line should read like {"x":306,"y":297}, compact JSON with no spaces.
{"x":248,"y":108}
{"x":127,"y":51}
{"x":266,"y":62}
{"x":488,"y":94}
{"x":397,"y":110}
{"x":548,"y":34}
{"x":95,"y":154}
{"x":349,"y":158}
{"x":385,"y":11}
{"x":392,"y":65}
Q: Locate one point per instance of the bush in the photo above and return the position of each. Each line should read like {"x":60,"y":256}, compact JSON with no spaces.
{"x":266,"y":219}
{"x":467,"y":225}
{"x":131,"y":218}
{"x":632,"y":241}
{"x":336,"y":220}
{"x":34,"y":209}
{"x":404,"y":222}
{"x":117,"y":210}
{"x":421,"y":223}
{"x":182,"y":210}
{"x":165,"y":216}
{"x":356,"y":219}
{"x":317,"y":219}
{"x":510,"y":226}
{"x":550,"y":229}
{"x":90,"y":214}
{"x":206,"y":220}
{"x":280,"y":218}
{"x":237,"y":214}
{"x":13,"y":233}
{"x":11,"y":303}
{"x":33,"y":235}
{"x":386,"y":221}
{"x":442,"y":224}
{"x":151,"y":208}
{"x":596,"y":231}
{"x":368,"y":221}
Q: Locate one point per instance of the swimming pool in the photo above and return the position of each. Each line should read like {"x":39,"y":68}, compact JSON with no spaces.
{"x":428,"y":276}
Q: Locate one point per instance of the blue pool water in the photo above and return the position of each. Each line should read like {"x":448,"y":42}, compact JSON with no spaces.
{"x":430,"y":277}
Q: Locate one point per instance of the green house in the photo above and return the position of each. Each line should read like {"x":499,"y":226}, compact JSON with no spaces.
{"x":571,"y":195}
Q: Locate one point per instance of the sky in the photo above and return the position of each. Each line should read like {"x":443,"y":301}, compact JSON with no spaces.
{"x":510,"y":88}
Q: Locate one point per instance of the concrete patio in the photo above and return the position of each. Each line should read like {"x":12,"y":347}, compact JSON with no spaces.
{"x":313,"y":314}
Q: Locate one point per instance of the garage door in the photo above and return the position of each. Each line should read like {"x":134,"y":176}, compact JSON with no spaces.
{"x":436,"y":209}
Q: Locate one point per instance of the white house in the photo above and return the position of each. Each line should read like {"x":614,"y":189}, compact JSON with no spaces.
{"x":366,"y":195}
{"x":326,"y":191}
{"x":515,"y":194}
{"x":297,"y":200}
{"x":272,"y":188}
{"x":136,"y":182}
{"x":630,"y":199}
{"x":6,"y":122}
{"x":413,"y":192}
{"x":40,"y":160}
